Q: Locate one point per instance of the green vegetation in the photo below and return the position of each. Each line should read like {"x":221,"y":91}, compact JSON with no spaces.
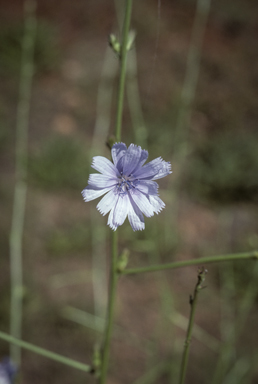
{"x":72,"y":240}
{"x":225,"y":168}
{"x":61,"y":163}
{"x":47,"y":50}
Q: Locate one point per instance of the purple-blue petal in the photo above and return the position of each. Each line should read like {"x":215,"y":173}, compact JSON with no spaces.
{"x":155,"y":169}
{"x":147,"y":187}
{"x":131,"y":159}
{"x":143,"y":158}
{"x":118,"y":150}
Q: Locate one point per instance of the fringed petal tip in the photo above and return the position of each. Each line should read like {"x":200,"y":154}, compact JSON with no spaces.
{"x":84,"y":195}
{"x":113,"y":227}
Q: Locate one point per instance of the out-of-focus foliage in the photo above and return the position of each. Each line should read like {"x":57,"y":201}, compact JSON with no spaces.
{"x":61,"y":162}
{"x":62,"y":242}
{"x":225,"y":168}
{"x":47,"y":50}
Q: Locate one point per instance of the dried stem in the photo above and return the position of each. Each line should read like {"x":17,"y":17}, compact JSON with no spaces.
{"x":193,"y":303}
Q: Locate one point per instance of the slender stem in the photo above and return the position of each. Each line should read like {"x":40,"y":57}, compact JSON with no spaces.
{"x":113,"y":269}
{"x":110,"y":310}
{"x":193,"y":302}
{"x":44,"y":352}
{"x":123,"y":56}
{"x":16,"y":233}
{"x":186,"y":263}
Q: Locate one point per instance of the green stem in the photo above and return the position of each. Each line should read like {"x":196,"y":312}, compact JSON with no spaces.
{"x":110,"y":310}
{"x":202,"y":260}
{"x":44,"y":352}
{"x":123,"y":56}
{"x":113,"y":270}
{"x":193,"y":302}
{"x":20,"y":191}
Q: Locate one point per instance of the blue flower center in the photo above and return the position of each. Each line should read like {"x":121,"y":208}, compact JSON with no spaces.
{"x":125,"y":184}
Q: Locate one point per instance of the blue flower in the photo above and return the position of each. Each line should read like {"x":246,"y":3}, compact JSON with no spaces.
{"x":129,"y":185}
{"x":7,"y":371}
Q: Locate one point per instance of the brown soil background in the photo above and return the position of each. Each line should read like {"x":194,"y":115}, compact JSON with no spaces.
{"x":64,"y":103}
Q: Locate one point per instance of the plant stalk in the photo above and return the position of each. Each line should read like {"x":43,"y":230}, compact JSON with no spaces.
{"x":186,"y":263}
{"x":113,"y":269}
{"x":193,"y":303}
{"x":44,"y":352}
{"x":123,"y":57}
{"x":110,"y":310}
{"x":20,"y":191}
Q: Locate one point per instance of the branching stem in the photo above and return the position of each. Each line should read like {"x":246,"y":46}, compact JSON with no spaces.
{"x":186,"y":263}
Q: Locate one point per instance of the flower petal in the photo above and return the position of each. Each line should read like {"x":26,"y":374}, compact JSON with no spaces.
{"x":143,"y":158}
{"x":147,"y":187}
{"x":107,"y":202}
{"x":118,"y":150}
{"x":135,"y":216}
{"x":110,"y":220}
{"x":101,"y":181}
{"x":143,"y":203}
{"x":155,"y":169}
{"x":121,"y":210}
{"x":104,"y":166}
{"x":157,"y":203}
{"x":91,"y":193}
{"x":131,"y":159}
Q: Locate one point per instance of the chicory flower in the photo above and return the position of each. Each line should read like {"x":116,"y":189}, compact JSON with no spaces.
{"x":129,"y":185}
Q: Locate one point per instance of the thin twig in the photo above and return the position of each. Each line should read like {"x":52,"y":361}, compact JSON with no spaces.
{"x":193,"y":303}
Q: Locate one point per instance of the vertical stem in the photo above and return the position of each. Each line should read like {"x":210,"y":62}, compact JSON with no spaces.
{"x":16,"y":233}
{"x":110,"y":310}
{"x":113,"y":269}
{"x":123,"y":56}
{"x":193,"y":302}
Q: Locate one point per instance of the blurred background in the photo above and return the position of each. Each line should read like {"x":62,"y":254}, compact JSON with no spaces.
{"x":191,"y":97}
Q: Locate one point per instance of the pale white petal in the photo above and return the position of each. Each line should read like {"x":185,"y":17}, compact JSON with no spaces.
{"x":101,"y":181}
{"x":143,"y":203}
{"x":104,"y":166}
{"x":90,"y":193}
{"x":107,"y":202}
{"x":121,"y":210}
{"x":135,"y":217}
{"x":110,"y":220}
{"x":164,"y":170}
{"x":157,"y":203}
